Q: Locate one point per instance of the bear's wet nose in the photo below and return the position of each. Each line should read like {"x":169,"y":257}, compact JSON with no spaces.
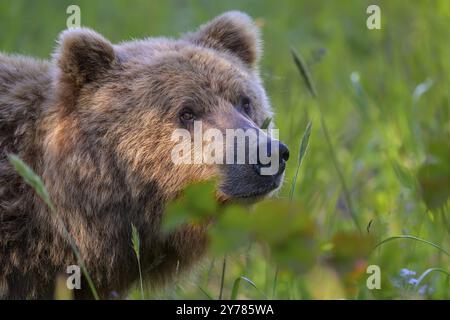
{"x":284,"y":152}
{"x":283,"y":156}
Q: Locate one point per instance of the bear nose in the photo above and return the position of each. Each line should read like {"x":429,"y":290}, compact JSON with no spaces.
{"x":284,"y":152}
{"x":283,"y":156}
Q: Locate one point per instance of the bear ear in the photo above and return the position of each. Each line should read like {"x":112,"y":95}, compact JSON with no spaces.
{"x":234,"y":32}
{"x":83,"y":55}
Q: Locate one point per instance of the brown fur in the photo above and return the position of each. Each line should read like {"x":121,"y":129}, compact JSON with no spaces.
{"x":95,"y":124}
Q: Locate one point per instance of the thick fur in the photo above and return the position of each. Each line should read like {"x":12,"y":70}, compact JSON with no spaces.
{"x":95,"y":123}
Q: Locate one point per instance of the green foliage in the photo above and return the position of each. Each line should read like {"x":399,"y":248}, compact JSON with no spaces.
{"x":196,"y":205}
{"x":231,"y":230}
{"x":434,"y":173}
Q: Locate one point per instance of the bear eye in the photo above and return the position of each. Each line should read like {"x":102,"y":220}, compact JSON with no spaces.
{"x":245,"y":104}
{"x":187,"y":116}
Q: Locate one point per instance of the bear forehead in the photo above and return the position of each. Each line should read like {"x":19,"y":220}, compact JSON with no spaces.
{"x":179,"y":57}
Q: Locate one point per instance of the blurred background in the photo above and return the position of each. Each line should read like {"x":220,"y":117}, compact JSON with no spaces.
{"x":374,"y":184}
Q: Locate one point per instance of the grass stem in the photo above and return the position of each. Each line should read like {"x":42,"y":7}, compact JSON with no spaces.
{"x":222,"y":279}
{"x":304,"y":72}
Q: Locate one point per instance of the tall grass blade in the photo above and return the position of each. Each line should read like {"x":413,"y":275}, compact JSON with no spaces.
{"x":266,"y":123}
{"x":301,"y":154}
{"x":235,"y":290}
{"x":222,"y":278}
{"x":275,"y":281}
{"x":236,"y":286}
{"x":32,"y":179}
{"x":135,"y":240}
{"x":304,"y":71}
{"x":411,"y":238}
{"x":301,"y":66}
{"x":360,"y":97}
{"x":205,"y":293}
{"x":427,"y":272}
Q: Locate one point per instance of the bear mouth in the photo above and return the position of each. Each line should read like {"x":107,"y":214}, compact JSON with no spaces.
{"x":254,"y":195}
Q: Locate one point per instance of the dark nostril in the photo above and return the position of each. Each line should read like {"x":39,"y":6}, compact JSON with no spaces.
{"x":257,"y":168}
{"x":284,"y":152}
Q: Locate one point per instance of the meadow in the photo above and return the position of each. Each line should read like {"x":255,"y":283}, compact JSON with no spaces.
{"x":368,"y":182}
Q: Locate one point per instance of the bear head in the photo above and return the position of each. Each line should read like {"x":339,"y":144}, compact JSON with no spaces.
{"x":118,"y":106}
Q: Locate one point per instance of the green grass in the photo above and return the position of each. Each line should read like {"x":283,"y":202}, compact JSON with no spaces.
{"x":136,"y":242}
{"x":384,"y":97}
{"x":36,"y":183}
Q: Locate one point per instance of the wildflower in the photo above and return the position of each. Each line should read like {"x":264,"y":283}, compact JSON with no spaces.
{"x":405,"y":273}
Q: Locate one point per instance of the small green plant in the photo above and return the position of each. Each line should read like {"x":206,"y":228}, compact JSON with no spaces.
{"x":135,"y":240}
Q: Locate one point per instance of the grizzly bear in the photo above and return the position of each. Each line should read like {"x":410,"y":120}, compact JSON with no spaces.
{"x":95,"y":123}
